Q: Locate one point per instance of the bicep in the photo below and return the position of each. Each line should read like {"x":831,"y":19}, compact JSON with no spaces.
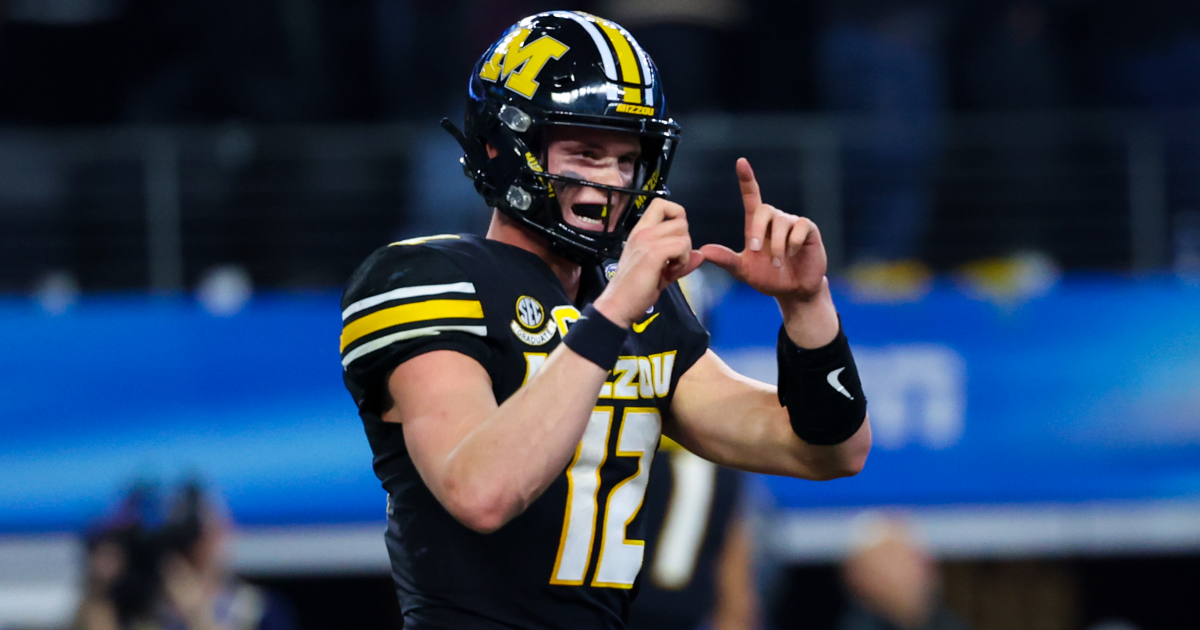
{"x":733,"y":420}
{"x":439,"y":397}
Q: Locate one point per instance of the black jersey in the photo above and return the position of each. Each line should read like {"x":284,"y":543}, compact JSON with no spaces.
{"x":690,"y":505}
{"x":571,"y":559}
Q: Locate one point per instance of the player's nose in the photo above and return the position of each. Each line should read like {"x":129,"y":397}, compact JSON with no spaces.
{"x":588,"y":194}
{"x":609,"y":175}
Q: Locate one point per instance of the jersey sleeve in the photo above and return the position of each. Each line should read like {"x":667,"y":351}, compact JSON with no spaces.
{"x":403,"y":301}
{"x":692,"y":339}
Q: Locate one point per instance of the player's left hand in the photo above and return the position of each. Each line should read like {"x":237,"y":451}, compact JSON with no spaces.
{"x":784,"y":256}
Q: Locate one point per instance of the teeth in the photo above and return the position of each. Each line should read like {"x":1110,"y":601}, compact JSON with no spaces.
{"x":589,"y":221}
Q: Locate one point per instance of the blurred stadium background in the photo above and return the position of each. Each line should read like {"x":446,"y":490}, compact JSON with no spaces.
{"x":1009,"y":191}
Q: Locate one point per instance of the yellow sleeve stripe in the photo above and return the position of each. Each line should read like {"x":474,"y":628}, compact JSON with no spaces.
{"x":409,"y":313}
{"x":630,"y":72}
{"x":412,"y":333}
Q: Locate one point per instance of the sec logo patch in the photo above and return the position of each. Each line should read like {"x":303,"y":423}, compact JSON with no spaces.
{"x":610,"y":270}
{"x":530,"y":317}
{"x":529,"y":312}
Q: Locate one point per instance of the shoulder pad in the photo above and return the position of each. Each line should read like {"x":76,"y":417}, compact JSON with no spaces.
{"x":403,"y":264}
{"x":405,"y":291}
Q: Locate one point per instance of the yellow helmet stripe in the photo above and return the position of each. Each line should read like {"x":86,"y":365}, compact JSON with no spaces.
{"x":630,"y":68}
{"x":409,"y":313}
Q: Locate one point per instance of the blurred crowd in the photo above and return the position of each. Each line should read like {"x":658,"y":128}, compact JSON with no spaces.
{"x":142,"y":61}
{"x":912,"y":195}
{"x":163,"y":566}
{"x":162,"y":563}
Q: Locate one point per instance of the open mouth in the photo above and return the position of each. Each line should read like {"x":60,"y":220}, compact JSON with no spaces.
{"x":591,"y":214}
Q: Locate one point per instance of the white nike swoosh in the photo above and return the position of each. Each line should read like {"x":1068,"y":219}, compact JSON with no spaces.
{"x":833,"y":382}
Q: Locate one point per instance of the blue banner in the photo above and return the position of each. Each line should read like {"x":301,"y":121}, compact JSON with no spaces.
{"x":125,"y":388}
{"x":1089,"y":393}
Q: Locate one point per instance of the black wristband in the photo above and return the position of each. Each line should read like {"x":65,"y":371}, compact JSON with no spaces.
{"x":595,"y":338}
{"x":821,"y":390}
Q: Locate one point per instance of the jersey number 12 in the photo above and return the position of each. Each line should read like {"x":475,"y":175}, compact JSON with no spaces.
{"x":620,"y":559}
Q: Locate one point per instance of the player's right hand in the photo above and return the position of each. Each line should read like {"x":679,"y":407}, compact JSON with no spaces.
{"x":657,"y":253}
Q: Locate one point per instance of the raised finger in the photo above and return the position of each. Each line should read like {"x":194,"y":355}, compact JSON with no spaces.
{"x":781,"y":226}
{"x":751,"y":196}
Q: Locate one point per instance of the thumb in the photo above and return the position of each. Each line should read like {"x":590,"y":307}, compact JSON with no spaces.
{"x":724,"y":258}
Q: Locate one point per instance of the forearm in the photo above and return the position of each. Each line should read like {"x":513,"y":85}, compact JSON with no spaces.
{"x":736,"y":421}
{"x":810,"y":323}
{"x":755,"y":435}
{"x":512,"y":456}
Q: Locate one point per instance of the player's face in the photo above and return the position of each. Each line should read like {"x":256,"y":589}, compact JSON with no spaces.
{"x":595,"y":155}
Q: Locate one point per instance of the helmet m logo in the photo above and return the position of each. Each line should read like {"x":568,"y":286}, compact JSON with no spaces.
{"x":519,"y":63}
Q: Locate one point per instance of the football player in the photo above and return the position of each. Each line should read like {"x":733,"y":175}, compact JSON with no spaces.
{"x":514,"y":387}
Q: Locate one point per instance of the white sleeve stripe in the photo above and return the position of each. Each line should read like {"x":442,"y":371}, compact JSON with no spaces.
{"x":647,"y":78}
{"x":383,"y":342}
{"x":406,"y":292}
{"x":610,"y":68}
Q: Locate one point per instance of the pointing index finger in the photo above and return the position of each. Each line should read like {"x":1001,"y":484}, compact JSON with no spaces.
{"x":751,"y":197}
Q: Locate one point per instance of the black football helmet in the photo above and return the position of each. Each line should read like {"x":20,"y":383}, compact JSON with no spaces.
{"x":572,"y":69}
